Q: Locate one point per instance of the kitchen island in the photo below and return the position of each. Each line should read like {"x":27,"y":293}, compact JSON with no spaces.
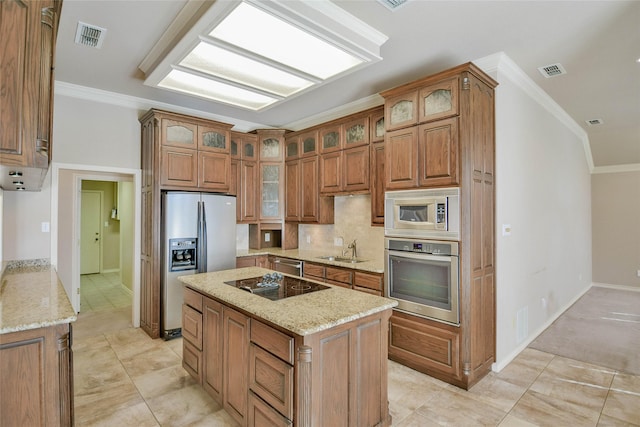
{"x":316,"y":359}
{"x":36,"y":375}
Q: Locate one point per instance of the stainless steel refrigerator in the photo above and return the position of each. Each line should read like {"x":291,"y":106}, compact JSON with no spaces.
{"x":198,"y":236}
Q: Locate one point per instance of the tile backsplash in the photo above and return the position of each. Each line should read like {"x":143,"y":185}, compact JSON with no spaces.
{"x":352,"y":220}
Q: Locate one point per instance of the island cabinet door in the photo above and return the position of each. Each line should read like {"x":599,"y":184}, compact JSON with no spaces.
{"x":212,"y":348}
{"x":342,"y":375}
{"x":236,"y":364}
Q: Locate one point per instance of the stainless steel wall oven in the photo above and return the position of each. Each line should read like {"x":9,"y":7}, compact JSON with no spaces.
{"x":423,"y":276}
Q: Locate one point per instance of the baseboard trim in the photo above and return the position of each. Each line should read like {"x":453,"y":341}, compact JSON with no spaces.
{"x":111,"y":270}
{"x":498,"y":366}
{"x":127,"y":290}
{"x":619,"y":287}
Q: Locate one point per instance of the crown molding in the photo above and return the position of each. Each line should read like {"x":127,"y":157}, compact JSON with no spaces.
{"x":500,"y":63}
{"x":632,"y":167}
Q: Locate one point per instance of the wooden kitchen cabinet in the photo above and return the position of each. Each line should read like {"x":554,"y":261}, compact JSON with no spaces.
{"x":454,"y":143}
{"x":376,"y":121}
{"x":377,"y":176}
{"x":302,"y":196}
{"x":212,"y":348}
{"x":235,"y":363}
{"x":371,"y":283}
{"x":245,"y":172}
{"x":36,"y":385}
{"x":331,"y":137}
{"x":438,"y":153}
{"x":178,"y":152}
{"x":28,"y":31}
{"x":356,"y":131}
{"x":401,"y":110}
{"x":401,"y":159}
{"x":253,"y":261}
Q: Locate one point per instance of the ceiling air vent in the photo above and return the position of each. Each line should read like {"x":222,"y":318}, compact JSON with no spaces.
{"x":90,"y":35}
{"x":594,"y":122}
{"x":552,"y":70}
{"x":392,"y":4}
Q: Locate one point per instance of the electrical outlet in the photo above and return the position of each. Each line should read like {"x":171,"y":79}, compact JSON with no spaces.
{"x":638,"y":273}
{"x":337,"y":241}
{"x":267,"y":237}
{"x":308,"y":238}
{"x":44,"y":227}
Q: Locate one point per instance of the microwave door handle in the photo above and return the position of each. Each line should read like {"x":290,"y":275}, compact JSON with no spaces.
{"x":421,"y":256}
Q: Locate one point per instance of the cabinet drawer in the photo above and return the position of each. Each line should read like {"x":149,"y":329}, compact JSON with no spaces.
{"x":263,"y":415}
{"x":192,"y":360}
{"x":273,"y":341}
{"x":271,"y":379}
{"x":313,"y":270}
{"x":367,"y":291}
{"x":192,"y":326}
{"x":341,"y":284}
{"x":367,"y":280}
{"x":193,"y":299}
{"x":339,"y":275}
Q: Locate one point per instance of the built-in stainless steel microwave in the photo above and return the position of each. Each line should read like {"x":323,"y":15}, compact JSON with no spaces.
{"x":425,"y":213}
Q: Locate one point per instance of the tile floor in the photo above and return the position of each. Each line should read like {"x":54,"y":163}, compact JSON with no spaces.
{"x":124,"y":378}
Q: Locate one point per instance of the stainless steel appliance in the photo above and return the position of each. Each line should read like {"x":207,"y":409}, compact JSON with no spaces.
{"x":198,"y":235}
{"x":288,"y":266}
{"x":425,"y":213}
{"x":275,"y":286}
{"x":423,"y":276}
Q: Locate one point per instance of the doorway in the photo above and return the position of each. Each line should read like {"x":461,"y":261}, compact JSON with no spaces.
{"x":90,"y":232}
{"x":122,"y":213}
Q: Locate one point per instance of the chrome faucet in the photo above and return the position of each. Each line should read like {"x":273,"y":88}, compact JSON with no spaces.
{"x":353,"y":248}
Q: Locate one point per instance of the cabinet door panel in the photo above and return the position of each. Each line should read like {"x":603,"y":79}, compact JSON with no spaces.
{"x":179,"y":167}
{"x":356,"y":132}
{"x":212,"y":315}
{"x":356,"y":168}
{"x":401,"y":111}
{"x":438,"y":150}
{"x":236,"y":364}
{"x":331,"y":172}
{"x":214,"y":171}
{"x":309,"y":188}
{"x":179,"y":134}
{"x":330,"y":138}
{"x":248,"y":192}
{"x":401,"y":155}
{"x":214,"y":139}
{"x":439,"y":101}
{"x":292,"y":191}
{"x":271,"y":379}
{"x":271,"y":190}
{"x":377,"y":183}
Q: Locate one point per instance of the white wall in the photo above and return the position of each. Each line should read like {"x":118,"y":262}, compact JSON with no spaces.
{"x":543,"y":190}
{"x":616,"y":228}
{"x":23,"y":215}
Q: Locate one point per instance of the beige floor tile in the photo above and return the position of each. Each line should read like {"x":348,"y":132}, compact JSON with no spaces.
{"x":623,"y":406}
{"x":496,"y":392}
{"x":607,"y":421}
{"x":175,"y":345}
{"x":625,"y":382}
{"x":162,"y":381}
{"x":543,"y":410}
{"x":218,"y":419}
{"x":581,"y":372}
{"x":458,"y":409}
{"x":138,"y":415}
{"x":105,"y":401}
{"x":154,"y":359}
{"x":414,"y":420}
{"x":512,"y":421}
{"x":526,"y":367}
{"x":183,"y":407}
{"x":132,"y":342}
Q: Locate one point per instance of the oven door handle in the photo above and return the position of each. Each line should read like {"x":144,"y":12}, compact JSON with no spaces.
{"x":421,"y":256}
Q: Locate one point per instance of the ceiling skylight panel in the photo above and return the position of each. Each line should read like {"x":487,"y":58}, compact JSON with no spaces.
{"x":231,"y":66}
{"x":266,"y":35}
{"x":200,"y":86}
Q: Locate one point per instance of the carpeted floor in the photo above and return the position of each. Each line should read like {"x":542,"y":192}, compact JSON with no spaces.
{"x":602,"y":327}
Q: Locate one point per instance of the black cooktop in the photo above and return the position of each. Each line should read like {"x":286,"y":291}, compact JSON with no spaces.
{"x":275,"y":286}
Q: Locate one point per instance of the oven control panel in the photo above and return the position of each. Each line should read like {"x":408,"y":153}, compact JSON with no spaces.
{"x":422,"y":246}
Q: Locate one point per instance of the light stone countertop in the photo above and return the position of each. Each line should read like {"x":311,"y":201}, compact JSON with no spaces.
{"x":371,"y":266}
{"x":31,"y":297}
{"x":302,"y":314}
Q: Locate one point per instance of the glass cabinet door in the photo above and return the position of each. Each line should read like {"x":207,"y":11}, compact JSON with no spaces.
{"x":292,"y":148}
{"x":330,"y":138}
{"x":356,"y":132}
{"x":213,"y":139}
{"x":402,"y":110}
{"x":178,"y":134}
{"x":309,"y":144}
{"x":439,"y":101}
{"x":271,"y":200}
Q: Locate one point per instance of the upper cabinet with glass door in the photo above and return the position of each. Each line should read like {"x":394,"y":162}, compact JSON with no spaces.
{"x":271,"y":145}
{"x":214,"y":138}
{"x":330,"y":138}
{"x":356,"y":132}
{"x":177,"y":133}
{"x":438,"y":101}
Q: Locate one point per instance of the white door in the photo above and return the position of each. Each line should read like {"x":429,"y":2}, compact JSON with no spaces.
{"x":91,"y":208}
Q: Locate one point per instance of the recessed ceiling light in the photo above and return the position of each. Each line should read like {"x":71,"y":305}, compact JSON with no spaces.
{"x":256,"y":53}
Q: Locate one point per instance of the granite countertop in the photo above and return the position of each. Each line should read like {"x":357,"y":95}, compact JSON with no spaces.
{"x":303,"y":314}
{"x":371,"y":266}
{"x":31,"y":297}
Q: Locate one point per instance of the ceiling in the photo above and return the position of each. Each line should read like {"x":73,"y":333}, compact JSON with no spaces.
{"x":597,"y":42}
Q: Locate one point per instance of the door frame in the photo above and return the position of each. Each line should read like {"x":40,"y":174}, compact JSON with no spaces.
{"x":96,"y":173}
{"x":79,"y":215}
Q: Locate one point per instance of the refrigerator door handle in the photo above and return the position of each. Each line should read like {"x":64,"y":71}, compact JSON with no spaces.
{"x":202,"y":239}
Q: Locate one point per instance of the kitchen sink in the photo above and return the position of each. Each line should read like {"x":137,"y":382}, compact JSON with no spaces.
{"x":342,"y":259}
